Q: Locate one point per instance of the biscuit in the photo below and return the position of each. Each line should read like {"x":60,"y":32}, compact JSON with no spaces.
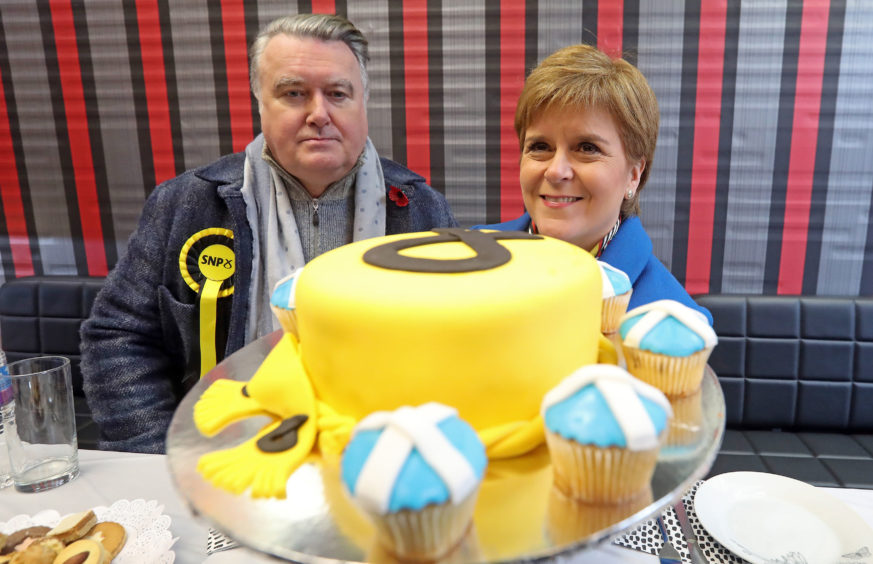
{"x":111,"y":535}
{"x":83,"y":551}
{"x":73,"y":526}
{"x":19,"y":537}
{"x":40,"y":551}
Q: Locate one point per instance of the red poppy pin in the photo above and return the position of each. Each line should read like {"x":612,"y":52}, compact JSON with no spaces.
{"x":397,"y":196}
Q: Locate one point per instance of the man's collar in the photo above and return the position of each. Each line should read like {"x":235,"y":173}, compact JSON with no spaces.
{"x":292,"y":180}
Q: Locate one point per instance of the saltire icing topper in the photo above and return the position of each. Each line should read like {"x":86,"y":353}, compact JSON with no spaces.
{"x":207,"y":264}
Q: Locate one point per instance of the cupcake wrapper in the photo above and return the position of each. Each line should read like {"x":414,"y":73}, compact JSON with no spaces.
{"x":287,"y":319}
{"x":673,"y":375}
{"x":600,"y":475}
{"x":427,"y":534}
{"x":614,"y":308}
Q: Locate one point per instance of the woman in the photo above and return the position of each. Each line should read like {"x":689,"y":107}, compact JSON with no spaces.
{"x":587,"y":126}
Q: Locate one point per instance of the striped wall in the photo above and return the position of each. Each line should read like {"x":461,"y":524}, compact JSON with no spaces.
{"x":762,"y":179}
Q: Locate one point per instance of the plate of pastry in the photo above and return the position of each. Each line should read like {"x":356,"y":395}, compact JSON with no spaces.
{"x":767,"y":518}
{"x":128,"y":531}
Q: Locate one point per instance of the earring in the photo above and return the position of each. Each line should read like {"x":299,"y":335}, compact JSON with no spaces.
{"x":629,"y":195}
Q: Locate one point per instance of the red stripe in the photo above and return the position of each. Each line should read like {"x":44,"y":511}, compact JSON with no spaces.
{"x":10,"y":192}
{"x":80,"y":141}
{"x":323,"y":7}
{"x":237,"y":63}
{"x":707,"y":118}
{"x":804,"y":136}
{"x":512,"y":30}
{"x":610,"y":27}
{"x":417,"y":86}
{"x":155,"y":78}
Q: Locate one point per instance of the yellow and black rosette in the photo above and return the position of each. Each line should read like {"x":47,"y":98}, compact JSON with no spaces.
{"x":207,"y":264}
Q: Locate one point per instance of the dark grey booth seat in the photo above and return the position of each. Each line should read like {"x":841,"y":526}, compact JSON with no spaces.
{"x":41,"y":315}
{"x":797,"y":375}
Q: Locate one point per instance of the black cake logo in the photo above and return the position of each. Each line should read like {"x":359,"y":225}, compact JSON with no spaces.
{"x":489,"y":253}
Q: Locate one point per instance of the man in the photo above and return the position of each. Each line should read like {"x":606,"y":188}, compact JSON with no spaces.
{"x":195,"y":283}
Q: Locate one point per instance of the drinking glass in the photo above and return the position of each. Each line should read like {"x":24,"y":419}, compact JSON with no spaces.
{"x":40,"y":424}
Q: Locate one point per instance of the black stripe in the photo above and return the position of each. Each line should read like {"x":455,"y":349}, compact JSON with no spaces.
{"x":531,"y":35}
{"x":784,"y":124}
{"x":219,"y":72}
{"x":631,"y":31}
{"x":589,"y":22}
{"x":685,"y":150}
{"x":341,"y":8}
{"x":172,"y":86}
{"x":725,"y":135}
{"x":23,"y":183}
{"x":252,"y":29}
{"x":140,"y":102}
{"x":492,"y":111}
{"x":5,"y":247}
{"x":98,"y":156}
{"x":398,"y":82}
{"x":436,"y":94}
{"x":59,"y":115}
{"x":824,"y":145}
{"x":304,"y":6}
{"x":866,"y":288}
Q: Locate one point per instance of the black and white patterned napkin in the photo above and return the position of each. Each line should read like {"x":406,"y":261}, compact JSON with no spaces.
{"x":647,"y":537}
{"x":218,"y":541}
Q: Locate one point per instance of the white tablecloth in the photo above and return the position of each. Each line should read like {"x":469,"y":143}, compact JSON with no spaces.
{"x":109,"y":476}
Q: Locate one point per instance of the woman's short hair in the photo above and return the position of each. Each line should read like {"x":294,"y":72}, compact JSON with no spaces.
{"x":326,"y":27}
{"x":582,"y":76}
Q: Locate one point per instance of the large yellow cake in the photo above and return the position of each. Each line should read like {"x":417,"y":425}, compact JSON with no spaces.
{"x":485,"y":322}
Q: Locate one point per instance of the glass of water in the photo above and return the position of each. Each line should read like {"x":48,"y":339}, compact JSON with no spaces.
{"x":40,"y":424}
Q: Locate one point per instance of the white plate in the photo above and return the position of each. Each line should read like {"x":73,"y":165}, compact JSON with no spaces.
{"x":148,"y":529}
{"x":767,"y":518}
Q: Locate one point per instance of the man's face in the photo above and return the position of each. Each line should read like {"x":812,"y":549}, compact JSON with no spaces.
{"x":312,"y":108}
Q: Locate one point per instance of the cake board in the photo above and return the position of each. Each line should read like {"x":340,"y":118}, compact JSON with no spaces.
{"x":519,"y":515}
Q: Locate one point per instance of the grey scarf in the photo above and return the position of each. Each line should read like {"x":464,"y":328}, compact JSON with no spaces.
{"x":274,"y":229}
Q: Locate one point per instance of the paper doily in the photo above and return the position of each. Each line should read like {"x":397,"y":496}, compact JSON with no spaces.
{"x":148,"y":529}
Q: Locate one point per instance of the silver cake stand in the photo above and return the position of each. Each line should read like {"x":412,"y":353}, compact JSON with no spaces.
{"x":519,"y":515}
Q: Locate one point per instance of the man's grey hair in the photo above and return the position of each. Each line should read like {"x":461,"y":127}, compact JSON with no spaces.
{"x":326,"y":27}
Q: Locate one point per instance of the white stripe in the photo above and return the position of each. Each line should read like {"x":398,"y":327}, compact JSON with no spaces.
{"x":643,"y":326}
{"x":630,"y":414}
{"x":595,"y":372}
{"x":691,"y":318}
{"x":608,"y":288}
{"x":405,"y":429}
{"x":376,"y":480}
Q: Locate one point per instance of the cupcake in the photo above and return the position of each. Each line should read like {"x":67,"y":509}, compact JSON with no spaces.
{"x":667,"y":345}
{"x":604,"y":430}
{"x":282,"y":301}
{"x":616,"y":295}
{"x":416,"y":472}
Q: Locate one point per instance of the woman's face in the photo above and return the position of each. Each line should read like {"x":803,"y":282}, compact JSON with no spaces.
{"x":574,"y":174}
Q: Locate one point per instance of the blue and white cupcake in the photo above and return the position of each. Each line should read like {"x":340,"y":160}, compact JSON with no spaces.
{"x":416,"y":472}
{"x":667,"y":344}
{"x":604,"y":430}
{"x":282,"y":301}
{"x":617,"y":292}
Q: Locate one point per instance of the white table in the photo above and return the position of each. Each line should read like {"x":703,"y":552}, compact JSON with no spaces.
{"x":109,"y":476}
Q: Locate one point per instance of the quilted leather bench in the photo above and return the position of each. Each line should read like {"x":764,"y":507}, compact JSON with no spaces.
{"x":797,"y":376}
{"x":41,"y":315}
{"x":797,"y":373}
